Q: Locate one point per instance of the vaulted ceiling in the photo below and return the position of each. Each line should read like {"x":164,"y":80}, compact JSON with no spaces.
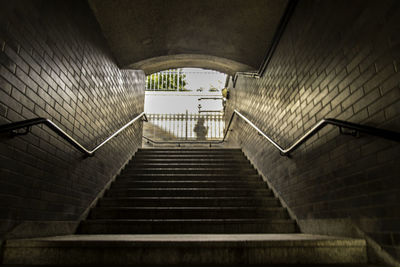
{"x":153,"y":35}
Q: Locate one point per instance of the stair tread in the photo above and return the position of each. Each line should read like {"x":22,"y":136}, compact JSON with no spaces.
{"x":190,"y":189}
{"x":191,"y":208}
{"x":192,"y":156}
{"x":186,"y":185}
{"x":199,"y":188}
{"x":233,"y":220}
{"x":140,"y":159}
{"x":167,"y":239}
{"x":195,"y":175}
{"x":259,"y":201}
{"x":189,"y":149}
{"x":193,"y":181}
{"x":127,"y":178}
{"x":186,"y":200}
{"x":184,"y":249}
{"x":187,"y":165}
{"x":191,"y":198}
{"x":227,"y":170}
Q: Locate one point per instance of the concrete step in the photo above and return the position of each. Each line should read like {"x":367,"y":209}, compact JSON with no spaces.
{"x":186,"y":249}
{"x":233,"y":156}
{"x":187,"y":213}
{"x":155,"y":150}
{"x":140,"y":160}
{"x":189,"y":152}
{"x":191,"y":156}
{"x":215,"y":170}
{"x":187,"y":226}
{"x":187,"y":184}
{"x":188,"y":177}
{"x":211,"y":165}
{"x":188,"y":192}
{"x":189,"y":201}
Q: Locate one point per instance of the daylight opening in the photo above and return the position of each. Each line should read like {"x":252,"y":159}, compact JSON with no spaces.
{"x":185,"y":104}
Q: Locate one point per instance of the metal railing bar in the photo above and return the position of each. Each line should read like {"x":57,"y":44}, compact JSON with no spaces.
{"x":382,"y":133}
{"x":31,"y":122}
{"x":286,"y":16}
{"x":211,"y":111}
{"x":258,"y":130}
{"x":211,"y":98}
{"x":184,"y":141}
{"x":119,"y":131}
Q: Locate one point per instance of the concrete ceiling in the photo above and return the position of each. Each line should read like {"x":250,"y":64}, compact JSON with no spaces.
{"x":153,"y":35}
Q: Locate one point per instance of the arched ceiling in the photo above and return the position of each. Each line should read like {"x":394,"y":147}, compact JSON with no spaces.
{"x":153,"y":35}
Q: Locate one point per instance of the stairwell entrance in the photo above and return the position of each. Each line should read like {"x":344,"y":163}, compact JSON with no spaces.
{"x":184,"y":105}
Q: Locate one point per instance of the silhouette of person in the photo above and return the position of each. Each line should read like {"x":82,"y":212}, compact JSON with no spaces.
{"x":200,"y":129}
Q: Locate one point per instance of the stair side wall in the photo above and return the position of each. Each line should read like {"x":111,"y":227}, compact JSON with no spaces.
{"x":55,"y":63}
{"x":336,"y":59}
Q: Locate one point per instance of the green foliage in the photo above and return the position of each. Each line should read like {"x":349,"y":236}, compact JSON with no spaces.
{"x":167,"y":81}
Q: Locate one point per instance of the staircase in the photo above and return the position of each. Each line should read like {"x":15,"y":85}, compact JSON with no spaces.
{"x":188,"y":192}
{"x":187,"y":206}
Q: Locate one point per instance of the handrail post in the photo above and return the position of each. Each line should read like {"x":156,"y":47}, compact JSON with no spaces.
{"x":229,"y":125}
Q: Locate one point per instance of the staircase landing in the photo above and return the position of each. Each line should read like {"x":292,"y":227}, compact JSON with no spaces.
{"x":186,"y":249}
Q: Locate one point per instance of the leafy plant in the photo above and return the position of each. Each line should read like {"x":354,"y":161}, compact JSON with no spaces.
{"x":170,"y":80}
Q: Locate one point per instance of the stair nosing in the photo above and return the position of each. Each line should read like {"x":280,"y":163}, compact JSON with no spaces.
{"x":192,"y":208}
{"x":233,"y":220}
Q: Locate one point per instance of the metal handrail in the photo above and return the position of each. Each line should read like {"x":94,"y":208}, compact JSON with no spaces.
{"x":279,"y":31}
{"x":391,"y":135}
{"x":27,"y":124}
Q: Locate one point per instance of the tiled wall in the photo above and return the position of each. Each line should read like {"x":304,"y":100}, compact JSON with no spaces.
{"x":336,"y":59}
{"x":55,"y":64}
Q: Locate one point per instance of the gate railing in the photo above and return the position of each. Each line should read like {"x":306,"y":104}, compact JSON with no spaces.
{"x":185,"y":126}
{"x":355,"y":128}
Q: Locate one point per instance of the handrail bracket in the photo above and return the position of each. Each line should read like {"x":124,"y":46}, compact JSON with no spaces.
{"x":144,"y":117}
{"x":15,"y":133}
{"x":354,"y":133}
{"x":283,"y":154}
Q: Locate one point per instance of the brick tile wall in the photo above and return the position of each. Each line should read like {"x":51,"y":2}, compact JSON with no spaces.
{"x":336,"y":59}
{"x":54,"y":63}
